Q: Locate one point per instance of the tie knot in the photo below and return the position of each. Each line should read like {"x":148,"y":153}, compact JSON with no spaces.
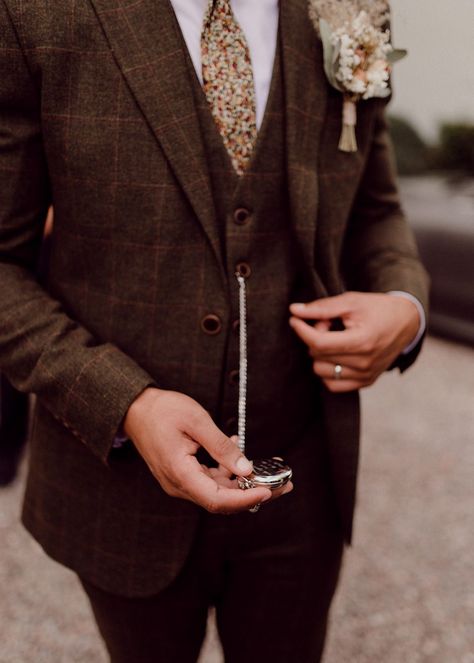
{"x":220,"y":4}
{"x":218,"y":10}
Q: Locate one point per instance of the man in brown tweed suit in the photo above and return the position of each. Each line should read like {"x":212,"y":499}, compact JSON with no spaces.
{"x":135,"y":333}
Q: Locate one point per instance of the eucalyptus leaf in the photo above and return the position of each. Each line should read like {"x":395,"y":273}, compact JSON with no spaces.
{"x":336,"y":54}
{"x":325,"y":31}
{"x":331,"y":54}
{"x":396,"y":55}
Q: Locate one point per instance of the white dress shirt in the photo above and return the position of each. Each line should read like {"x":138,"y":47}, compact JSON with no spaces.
{"x":258,"y":20}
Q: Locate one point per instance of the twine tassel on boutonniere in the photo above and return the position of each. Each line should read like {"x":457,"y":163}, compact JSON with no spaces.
{"x":348,"y":141}
{"x":357,"y":54}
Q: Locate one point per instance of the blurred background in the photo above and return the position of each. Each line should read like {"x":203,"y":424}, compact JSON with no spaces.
{"x":432,"y":122}
{"x":407,"y":591}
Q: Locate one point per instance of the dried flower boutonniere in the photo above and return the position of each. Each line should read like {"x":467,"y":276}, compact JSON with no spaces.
{"x":357,"y":54}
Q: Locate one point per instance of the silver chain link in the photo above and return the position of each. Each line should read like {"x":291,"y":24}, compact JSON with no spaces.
{"x":243,"y":375}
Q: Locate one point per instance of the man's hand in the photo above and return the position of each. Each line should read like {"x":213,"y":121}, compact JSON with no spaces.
{"x":168,"y":428}
{"x":378,"y":327}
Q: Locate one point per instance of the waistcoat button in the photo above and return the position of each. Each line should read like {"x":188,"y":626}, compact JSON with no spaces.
{"x":211,"y":324}
{"x":243,"y":269}
{"x":234,"y":377}
{"x":241,"y":216}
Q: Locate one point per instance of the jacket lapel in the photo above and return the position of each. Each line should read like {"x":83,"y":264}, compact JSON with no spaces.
{"x":143,"y":39}
{"x":305,"y":108}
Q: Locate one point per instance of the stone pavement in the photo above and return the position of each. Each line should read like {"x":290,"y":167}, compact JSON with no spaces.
{"x":407,"y":592}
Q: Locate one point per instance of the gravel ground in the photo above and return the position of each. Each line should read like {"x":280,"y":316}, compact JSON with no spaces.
{"x":407,"y":592}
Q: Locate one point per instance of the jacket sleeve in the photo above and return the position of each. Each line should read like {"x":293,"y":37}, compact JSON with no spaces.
{"x":86,"y":384}
{"x":380,"y":252}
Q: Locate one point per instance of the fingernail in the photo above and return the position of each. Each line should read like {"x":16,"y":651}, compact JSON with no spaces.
{"x":244,"y":466}
{"x":298,"y":306}
{"x":267,"y":498}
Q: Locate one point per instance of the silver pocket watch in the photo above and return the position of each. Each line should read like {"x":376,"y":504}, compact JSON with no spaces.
{"x":270,"y":473}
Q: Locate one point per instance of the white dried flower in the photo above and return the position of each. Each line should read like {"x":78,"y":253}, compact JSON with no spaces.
{"x":361,"y":67}
{"x":341,"y":12}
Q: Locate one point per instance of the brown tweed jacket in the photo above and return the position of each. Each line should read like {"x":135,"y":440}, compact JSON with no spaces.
{"x":97,"y":118}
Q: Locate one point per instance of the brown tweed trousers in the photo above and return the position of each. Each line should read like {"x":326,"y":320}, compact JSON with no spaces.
{"x":98,"y":118}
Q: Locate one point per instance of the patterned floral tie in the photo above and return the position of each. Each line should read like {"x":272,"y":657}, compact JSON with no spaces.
{"x":228,"y":81}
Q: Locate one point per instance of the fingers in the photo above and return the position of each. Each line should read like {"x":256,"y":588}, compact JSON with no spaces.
{"x":344,"y":386}
{"x":215,"y":497}
{"x":215,"y":491}
{"x":350,"y":379}
{"x":326,"y":308}
{"x":323,"y":325}
{"x":360,"y":364}
{"x":222,"y":477}
{"x":329,"y":343}
{"x":287,"y":488}
{"x":224,"y":450}
{"x":219,"y":473}
{"x":326,"y":371}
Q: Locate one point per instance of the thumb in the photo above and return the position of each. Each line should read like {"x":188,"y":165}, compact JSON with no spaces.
{"x":323,"y":309}
{"x":322,"y":325}
{"x":223,"y":449}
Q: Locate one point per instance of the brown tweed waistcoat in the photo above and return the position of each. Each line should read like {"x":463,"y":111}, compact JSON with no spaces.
{"x":253,"y":213}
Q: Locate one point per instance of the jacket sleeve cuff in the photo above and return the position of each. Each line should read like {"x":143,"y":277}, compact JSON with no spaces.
{"x":98,"y":400}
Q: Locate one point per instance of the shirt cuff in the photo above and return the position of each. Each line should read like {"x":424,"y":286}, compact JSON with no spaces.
{"x":421,"y":313}
{"x":120,"y":440}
